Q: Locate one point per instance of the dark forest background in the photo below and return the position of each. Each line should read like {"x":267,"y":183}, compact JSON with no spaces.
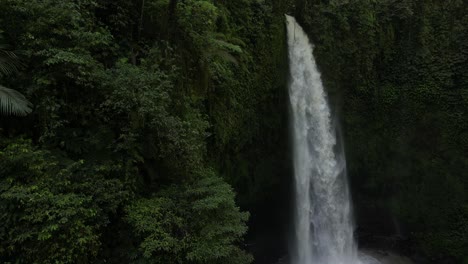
{"x":156,"y":131}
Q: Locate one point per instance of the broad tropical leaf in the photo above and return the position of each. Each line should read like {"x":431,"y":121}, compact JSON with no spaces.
{"x":13,"y":102}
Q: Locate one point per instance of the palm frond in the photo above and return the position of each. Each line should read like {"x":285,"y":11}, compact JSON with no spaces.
{"x":13,"y":102}
{"x":9,"y":62}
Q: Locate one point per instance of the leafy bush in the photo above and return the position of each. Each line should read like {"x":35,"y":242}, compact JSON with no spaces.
{"x":49,"y":202}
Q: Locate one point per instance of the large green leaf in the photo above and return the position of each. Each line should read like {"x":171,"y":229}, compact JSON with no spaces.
{"x":13,"y":102}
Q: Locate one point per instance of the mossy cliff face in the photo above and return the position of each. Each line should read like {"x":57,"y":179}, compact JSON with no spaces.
{"x":396,"y":72}
{"x":251,"y":142}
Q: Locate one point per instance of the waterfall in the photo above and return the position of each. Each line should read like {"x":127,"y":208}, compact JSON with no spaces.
{"x":323,"y":213}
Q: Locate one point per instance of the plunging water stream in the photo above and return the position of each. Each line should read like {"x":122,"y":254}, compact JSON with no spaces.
{"x":323,"y":213}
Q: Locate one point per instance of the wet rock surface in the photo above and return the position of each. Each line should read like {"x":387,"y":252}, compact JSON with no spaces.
{"x":375,"y":256}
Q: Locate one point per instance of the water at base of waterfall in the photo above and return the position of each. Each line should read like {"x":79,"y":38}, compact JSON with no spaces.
{"x":323,"y":212}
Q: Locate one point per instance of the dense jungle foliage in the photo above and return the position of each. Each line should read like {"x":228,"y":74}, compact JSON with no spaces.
{"x":156,"y":131}
{"x":398,"y":72}
{"x":142,"y":114}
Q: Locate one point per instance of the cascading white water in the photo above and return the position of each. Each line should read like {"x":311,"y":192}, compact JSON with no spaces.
{"x":323,"y":214}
